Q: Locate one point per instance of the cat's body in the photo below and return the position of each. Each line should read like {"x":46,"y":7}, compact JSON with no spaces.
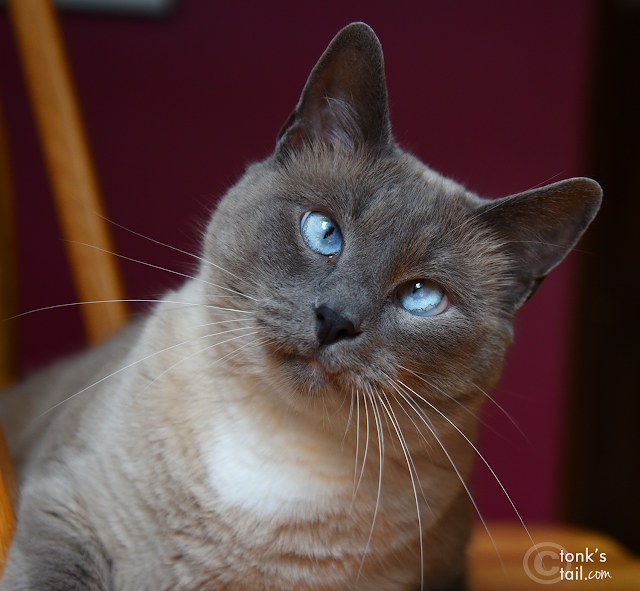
{"x":291,"y":418}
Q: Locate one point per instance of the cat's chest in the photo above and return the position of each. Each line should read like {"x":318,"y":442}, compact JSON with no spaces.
{"x":275,"y":464}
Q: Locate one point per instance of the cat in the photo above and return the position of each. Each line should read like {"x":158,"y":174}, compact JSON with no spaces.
{"x":301,"y":413}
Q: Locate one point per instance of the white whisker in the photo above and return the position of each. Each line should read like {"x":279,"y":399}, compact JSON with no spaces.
{"x":355,"y":471}
{"x":186,"y":304}
{"x":454,"y":399}
{"x":349,"y":419}
{"x":424,"y":439}
{"x":376,"y":414}
{"x":473,"y":218}
{"x":261,"y":341}
{"x":366,"y":445}
{"x":228,"y":356}
{"x":219,"y":322}
{"x":123,"y":369}
{"x":191,"y":355}
{"x":201,"y":374}
{"x":195,"y":256}
{"x":126,"y":258}
{"x":513,"y":421}
{"x":504,"y":490}
{"x":386,"y":420}
{"x":431,"y":428}
{"x":407,"y":456}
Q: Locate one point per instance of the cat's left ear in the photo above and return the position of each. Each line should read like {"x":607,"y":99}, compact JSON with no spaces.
{"x":344,"y":101}
{"x":539,"y":228}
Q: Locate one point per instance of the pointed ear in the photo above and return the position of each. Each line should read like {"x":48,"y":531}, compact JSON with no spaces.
{"x":345,"y":98}
{"x":539,"y":228}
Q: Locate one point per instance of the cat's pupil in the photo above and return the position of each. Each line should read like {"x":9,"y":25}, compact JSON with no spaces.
{"x":329,"y":232}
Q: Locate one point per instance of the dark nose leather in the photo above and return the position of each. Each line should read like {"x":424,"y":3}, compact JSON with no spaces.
{"x":332,"y":326}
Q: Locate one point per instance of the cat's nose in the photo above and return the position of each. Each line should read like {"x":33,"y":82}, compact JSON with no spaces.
{"x":332,"y":326}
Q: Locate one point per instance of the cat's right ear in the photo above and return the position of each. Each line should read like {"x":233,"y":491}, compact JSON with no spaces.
{"x":344,"y":102}
{"x":538,"y":228}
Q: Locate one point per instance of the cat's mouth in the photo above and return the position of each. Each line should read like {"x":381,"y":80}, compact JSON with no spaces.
{"x":310,"y":368}
{"x":315,"y":364}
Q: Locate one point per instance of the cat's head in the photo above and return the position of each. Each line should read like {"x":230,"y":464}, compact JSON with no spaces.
{"x":358,"y":268}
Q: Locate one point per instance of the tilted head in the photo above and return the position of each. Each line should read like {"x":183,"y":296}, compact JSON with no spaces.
{"x":361,"y":267}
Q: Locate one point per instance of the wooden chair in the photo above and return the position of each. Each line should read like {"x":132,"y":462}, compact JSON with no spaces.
{"x":77,"y":198}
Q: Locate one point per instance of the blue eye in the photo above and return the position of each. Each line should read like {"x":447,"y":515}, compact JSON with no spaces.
{"x":321,"y":233}
{"x":423,"y":298}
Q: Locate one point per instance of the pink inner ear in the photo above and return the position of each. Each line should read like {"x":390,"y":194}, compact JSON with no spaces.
{"x":295,"y":139}
{"x":336,"y":121}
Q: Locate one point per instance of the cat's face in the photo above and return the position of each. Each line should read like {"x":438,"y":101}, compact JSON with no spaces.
{"x":360,"y":268}
{"x":394,"y":224}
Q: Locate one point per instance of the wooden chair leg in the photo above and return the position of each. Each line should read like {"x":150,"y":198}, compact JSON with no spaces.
{"x":8,"y":493}
{"x":8,"y":274}
{"x":8,"y":307}
{"x":69,"y":165}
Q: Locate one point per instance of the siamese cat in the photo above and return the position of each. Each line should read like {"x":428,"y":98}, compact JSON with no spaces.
{"x":301,"y":413}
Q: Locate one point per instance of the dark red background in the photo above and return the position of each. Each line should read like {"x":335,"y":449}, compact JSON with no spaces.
{"x":492,"y":93}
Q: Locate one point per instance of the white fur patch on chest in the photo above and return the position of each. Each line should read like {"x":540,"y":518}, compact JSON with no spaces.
{"x":273,"y":465}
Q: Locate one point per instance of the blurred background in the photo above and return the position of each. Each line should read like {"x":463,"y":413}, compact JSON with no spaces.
{"x":499,"y":95}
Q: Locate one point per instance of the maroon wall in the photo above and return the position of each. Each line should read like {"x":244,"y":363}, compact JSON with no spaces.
{"x":491,"y":93}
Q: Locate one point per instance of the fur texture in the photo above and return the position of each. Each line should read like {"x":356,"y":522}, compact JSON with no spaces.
{"x":218,"y":444}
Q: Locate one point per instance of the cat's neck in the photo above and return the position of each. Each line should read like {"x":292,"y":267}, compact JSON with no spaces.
{"x":269,"y":460}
